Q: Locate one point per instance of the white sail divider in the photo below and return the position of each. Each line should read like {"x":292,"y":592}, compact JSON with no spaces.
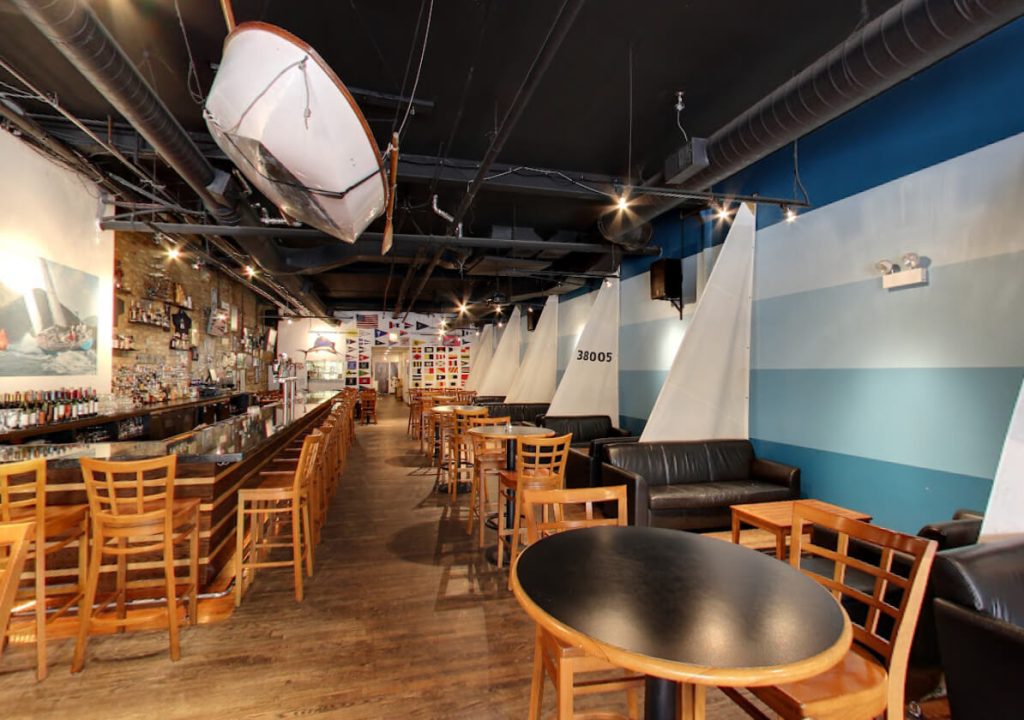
{"x":535,"y":381}
{"x":1005,"y":513}
{"x":590,"y":385}
{"x":706,"y":393}
{"x":481,"y":353}
{"x":505,"y":363}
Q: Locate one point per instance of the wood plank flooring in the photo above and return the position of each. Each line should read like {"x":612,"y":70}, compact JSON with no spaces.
{"x":403,"y":619}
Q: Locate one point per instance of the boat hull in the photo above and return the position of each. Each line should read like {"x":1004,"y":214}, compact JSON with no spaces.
{"x":288,"y":123}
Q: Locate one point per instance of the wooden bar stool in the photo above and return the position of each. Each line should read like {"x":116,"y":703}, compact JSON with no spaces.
{"x":460,"y":448}
{"x":23,"y":498}
{"x":134,"y":513}
{"x":540,"y":465}
{"x":14,"y":542}
{"x":415,"y":408}
{"x":369,"y":404}
{"x":282,"y":492}
{"x":546,"y":514}
{"x":488,"y":460}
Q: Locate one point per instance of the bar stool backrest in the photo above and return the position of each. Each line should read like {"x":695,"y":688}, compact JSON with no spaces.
{"x":130,"y":493}
{"x":14,"y":539}
{"x":552,"y":504}
{"x":23,"y":491}
{"x":463,"y":418}
{"x":309,"y":456}
{"x":543,"y":456}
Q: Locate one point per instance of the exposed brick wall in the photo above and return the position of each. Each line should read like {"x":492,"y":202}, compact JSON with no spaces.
{"x":143,"y":263}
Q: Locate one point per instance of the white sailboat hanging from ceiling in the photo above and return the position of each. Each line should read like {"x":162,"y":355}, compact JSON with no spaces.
{"x":480,"y":360}
{"x":293,"y":129}
{"x":505,"y":363}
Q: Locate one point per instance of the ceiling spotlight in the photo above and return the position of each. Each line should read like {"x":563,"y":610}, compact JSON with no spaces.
{"x":501,"y":324}
{"x":250,"y":271}
{"x":911,"y":261}
{"x":289,"y":321}
{"x":529,"y":310}
{"x":174,"y":253}
{"x":887,"y":267}
{"x":463,"y":307}
{"x":789,"y":213}
{"x":723,"y":212}
{"x":622,"y":203}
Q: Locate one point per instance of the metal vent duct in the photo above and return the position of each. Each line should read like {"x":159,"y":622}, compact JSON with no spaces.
{"x":904,"y":40}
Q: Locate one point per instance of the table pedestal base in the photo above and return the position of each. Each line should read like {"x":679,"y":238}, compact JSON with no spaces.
{"x":660,"y":698}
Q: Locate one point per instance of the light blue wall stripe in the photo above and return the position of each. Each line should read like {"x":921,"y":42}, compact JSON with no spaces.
{"x":649,"y":345}
{"x":948,"y":419}
{"x":638,"y":389}
{"x":964,"y":317}
{"x":899,"y":497}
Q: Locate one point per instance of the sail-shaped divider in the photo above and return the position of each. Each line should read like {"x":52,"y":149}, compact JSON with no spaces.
{"x":706,"y":393}
{"x":1005,"y":513}
{"x":535,"y":381}
{"x":590,"y":385}
{"x":482,"y":351}
{"x":505,"y":363}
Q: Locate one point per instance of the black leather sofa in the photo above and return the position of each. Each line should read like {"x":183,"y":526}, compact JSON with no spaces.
{"x":691,"y":485}
{"x":979,"y":615}
{"x":519,"y":412}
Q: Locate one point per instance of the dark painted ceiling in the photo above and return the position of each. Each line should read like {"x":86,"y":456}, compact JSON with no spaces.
{"x":724,"y":55}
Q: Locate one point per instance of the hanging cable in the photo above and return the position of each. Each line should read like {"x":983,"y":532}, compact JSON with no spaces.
{"x":419,"y":68}
{"x":629,"y":143}
{"x":798,"y":184}
{"x":195,"y":88}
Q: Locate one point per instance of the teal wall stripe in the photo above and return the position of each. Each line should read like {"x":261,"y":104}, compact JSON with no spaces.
{"x":649,"y":345}
{"x":634,"y":424}
{"x":861,"y":325}
{"x":949,"y":419}
{"x":899,"y":497}
{"x":638,"y":389}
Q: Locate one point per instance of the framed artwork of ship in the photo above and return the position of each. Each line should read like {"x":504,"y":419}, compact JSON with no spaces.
{"x":48,"y":318}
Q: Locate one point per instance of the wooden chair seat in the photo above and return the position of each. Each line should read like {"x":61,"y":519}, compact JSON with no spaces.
{"x":59,"y":519}
{"x":858,"y":681}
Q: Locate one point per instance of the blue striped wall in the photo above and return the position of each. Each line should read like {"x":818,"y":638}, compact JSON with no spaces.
{"x":895,"y":403}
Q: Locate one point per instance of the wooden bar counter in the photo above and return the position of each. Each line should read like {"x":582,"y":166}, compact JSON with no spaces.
{"x":214,"y":463}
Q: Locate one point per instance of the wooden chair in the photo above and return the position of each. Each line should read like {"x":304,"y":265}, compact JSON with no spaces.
{"x":488,"y":459}
{"x":14,"y":541}
{"x":460,"y":451}
{"x":869,"y":681}
{"x":545,"y":513}
{"x":428,"y":442}
{"x":368,"y":398}
{"x":415,"y":410}
{"x":540,"y":465}
{"x":134,"y":513}
{"x":23,"y":498}
{"x":282,"y":492}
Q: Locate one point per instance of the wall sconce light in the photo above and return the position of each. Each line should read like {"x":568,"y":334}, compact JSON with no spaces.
{"x":909,"y":274}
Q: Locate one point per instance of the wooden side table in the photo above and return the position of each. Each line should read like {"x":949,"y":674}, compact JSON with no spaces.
{"x":777,"y":518}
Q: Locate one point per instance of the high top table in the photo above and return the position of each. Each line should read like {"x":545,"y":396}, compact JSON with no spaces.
{"x":680,"y":608}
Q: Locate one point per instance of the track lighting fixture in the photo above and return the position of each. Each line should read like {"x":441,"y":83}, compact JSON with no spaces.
{"x":894,"y":275}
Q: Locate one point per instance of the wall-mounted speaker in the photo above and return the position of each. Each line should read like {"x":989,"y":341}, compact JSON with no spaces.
{"x":667,"y":279}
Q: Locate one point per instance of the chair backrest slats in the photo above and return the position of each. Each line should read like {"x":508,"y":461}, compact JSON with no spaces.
{"x":543,"y":456}
{"x":126,"y":488}
{"x":23,"y":490}
{"x":883,"y":620}
{"x":14,"y":541}
{"x":553,"y":505}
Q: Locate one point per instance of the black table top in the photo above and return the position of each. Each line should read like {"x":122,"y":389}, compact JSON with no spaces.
{"x":681,"y":606}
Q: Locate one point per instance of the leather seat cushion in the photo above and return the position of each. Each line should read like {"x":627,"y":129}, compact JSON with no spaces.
{"x":695,"y":496}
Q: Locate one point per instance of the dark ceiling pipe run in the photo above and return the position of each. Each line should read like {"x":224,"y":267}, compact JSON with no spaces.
{"x":904,"y":40}
{"x":368,"y":239}
{"x":76,"y":32}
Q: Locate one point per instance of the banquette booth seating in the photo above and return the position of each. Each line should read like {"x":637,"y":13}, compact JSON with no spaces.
{"x":691,"y":485}
{"x":979,"y":614}
{"x":521,"y":413}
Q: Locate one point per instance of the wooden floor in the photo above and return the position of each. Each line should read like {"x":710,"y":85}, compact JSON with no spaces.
{"x":403,"y":619}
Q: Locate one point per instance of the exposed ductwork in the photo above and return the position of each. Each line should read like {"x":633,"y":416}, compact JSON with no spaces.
{"x":904,"y":40}
{"x":74,"y":30}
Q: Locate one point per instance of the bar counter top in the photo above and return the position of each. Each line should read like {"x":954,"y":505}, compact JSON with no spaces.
{"x":222,"y":443}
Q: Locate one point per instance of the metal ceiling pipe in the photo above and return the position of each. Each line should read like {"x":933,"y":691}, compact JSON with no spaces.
{"x":72,"y":27}
{"x":368,"y":239}
{"x":904,"y":40}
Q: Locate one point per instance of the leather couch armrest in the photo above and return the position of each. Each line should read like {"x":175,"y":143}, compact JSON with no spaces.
{"x":983,"y":658}
{"x":638,"y":499}
{"x":619,"y":432}
{"x":952,"y":533}
{"x":577,"y":469}
{"x":777,"y":473}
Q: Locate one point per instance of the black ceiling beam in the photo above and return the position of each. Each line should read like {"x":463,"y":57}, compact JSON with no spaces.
{"x":509,"y":177}
{"x":374,"y":237}
{"x":390,"y":101}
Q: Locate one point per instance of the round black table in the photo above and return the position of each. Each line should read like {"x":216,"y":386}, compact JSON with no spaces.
{"x":681,"y":608}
